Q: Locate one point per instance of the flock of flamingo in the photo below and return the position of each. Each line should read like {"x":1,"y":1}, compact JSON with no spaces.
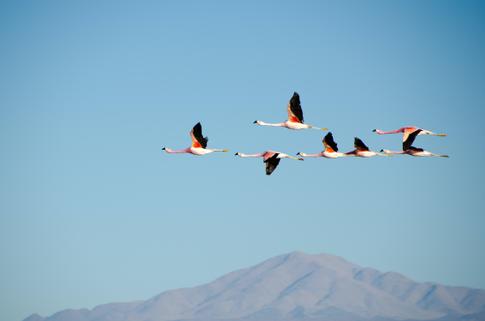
{"x":295,"y":121}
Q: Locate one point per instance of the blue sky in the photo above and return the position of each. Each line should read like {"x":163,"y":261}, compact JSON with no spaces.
{"x":92,"y":212}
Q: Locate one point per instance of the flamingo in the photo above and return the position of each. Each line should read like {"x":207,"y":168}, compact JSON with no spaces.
{"x":270,"y":158}
{"x":199,"y":144}
{"x":361,"y":150}
{"x":408,"y":149}
{"x":406,"y":131}
{"x":330,"y":151}
{"x":295,"y":117}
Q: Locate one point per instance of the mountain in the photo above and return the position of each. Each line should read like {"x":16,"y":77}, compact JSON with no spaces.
{"x":298,"y":287}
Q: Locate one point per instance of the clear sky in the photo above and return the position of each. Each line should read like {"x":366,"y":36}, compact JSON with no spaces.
{"x":92,"y":212}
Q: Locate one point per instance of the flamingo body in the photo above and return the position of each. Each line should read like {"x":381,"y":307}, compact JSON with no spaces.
{"x":324,"y":154}
{"x":406,"y":131}
{"x":408,"y":149}
{"x":330,"y":151}
{"x":361,"y":150}
{"x":363,"y":154}
{"x":415,"y":153}
{"x":295,"y":117}
{"x":199,"y":144}
{"x":271,"y":159}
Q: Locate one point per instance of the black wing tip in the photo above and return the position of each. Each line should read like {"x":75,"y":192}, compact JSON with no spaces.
{"x":329,"y":140}
{"x":198,"y":126}
{"x":359,"y":144}
{"x":272,"y":163}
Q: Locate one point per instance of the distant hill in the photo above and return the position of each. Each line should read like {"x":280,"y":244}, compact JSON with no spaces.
{"x":298,"y":287}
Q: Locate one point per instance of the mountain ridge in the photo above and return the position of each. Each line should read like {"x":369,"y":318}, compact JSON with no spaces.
{"x":297,"y":286}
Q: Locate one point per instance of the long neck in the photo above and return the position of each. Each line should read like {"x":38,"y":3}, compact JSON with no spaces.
{"x":439,"y":155}
{"x":381,"y":132}
{"x":428,"y":132}
{"x":390,"y":152}
{"x":223,"y":150}
{"x":180,"y":151}
{"x":310,"y":155}
{"x":317,"y":128}
{"x":381,"y":154}
{"x":283,"y":155}
{"x":262,"y":123}
{"x":250,"y":155}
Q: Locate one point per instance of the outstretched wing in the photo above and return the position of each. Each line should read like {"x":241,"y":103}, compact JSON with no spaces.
{"x":295,"y":114}
{"x":359,"y":145}
{"x":198,"y":140}
{"x":407,"y":131}
{"x":407,"y":144}
{"x":329,"y":144}
{"x":272,"y":163}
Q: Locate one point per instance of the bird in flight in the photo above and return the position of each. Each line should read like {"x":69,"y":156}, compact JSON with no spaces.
{"x":361,"y":150}
{"x":330,"y":149}
{"x":270,"y":158}
{"x":409,"y":149}
{"x":199,"y":144}
{"x":295,"y":117}
{"x":407,"y":131}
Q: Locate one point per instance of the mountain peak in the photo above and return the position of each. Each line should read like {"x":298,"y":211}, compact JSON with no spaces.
{"x":321,"y":260}
{"x":297,"y":286}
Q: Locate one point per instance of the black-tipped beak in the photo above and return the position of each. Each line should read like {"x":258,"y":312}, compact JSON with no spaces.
{"x":374,"y":130}
{"x":236,"y":154}
{"x":255,"y":122}
{"x":382,"y":151}
{"x":298,"y":153}
{"x":163,"y":148}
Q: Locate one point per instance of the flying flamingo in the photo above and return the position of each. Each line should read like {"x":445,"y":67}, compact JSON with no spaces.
{"x":361,"y":150}
{"x":408,"y":149}
{"x":270,"y":158}
{"x":295,"y":116}
{"x":199,"y":144}
{"x":330,"y":151}
{"x":406,"y":131}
